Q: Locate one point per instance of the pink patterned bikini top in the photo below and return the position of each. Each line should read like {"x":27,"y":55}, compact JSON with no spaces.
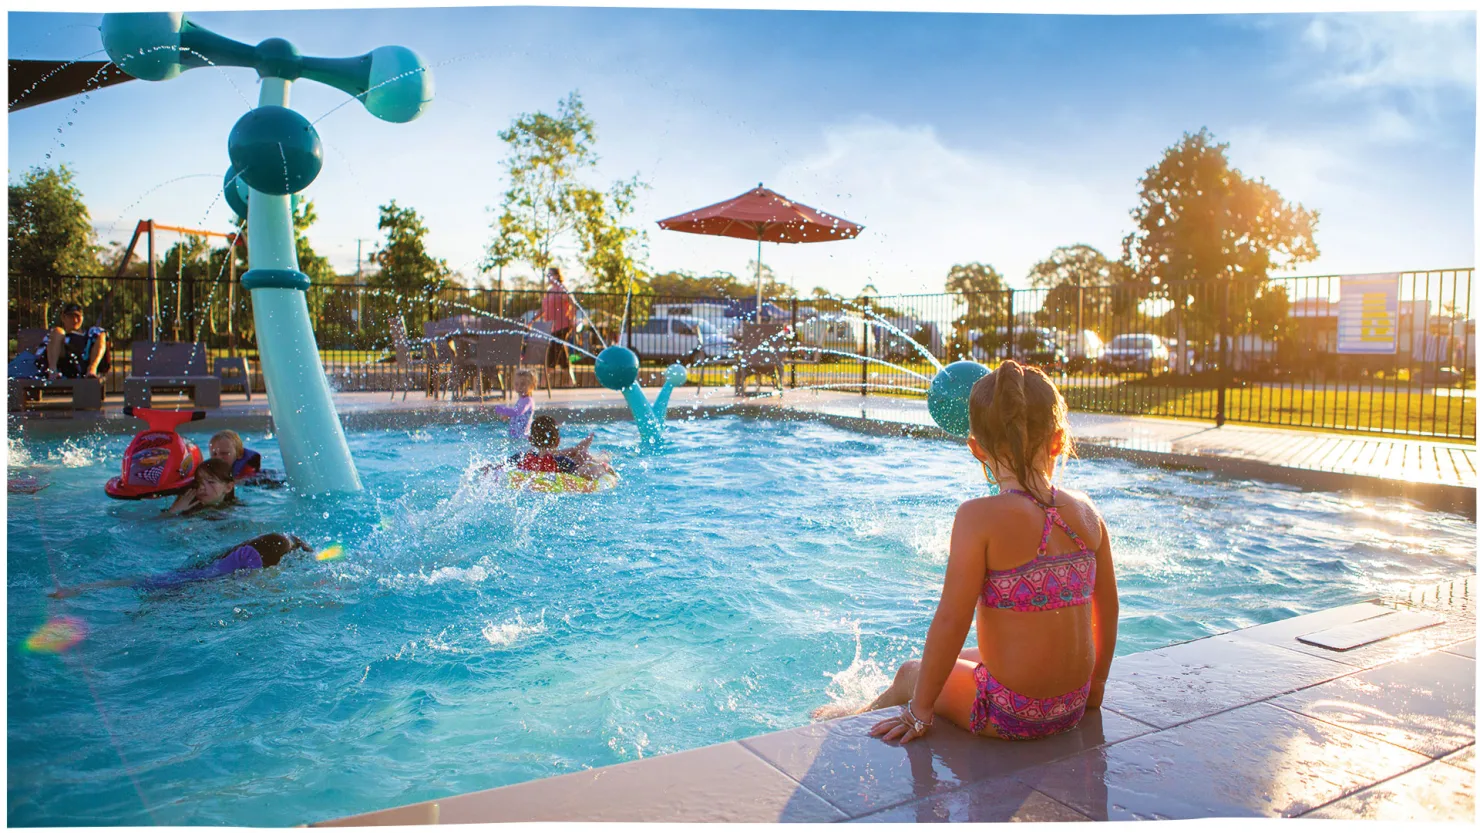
{"x":1047,"y":582}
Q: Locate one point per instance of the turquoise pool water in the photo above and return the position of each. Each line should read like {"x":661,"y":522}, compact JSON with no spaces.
{"x":474,"y":637}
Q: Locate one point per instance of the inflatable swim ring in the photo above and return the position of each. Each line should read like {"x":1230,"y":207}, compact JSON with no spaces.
{"x":158,"y":461}
{"x":551,"y":482}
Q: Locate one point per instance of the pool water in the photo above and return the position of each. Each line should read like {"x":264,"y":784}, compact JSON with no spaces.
{"x":473,"y":637}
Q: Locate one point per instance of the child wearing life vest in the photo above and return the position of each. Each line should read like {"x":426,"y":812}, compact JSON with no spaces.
{"x":227,"y":447}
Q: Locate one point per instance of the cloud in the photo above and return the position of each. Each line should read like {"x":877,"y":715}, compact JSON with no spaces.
{"x":927,"y":205}
{"x":1423,"y":51}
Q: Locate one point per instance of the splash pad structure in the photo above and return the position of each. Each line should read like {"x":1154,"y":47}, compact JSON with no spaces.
{"x":275,"y":153}
{"x":616,"y":369}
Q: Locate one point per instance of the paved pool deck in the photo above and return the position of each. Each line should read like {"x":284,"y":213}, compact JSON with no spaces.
{"x":1365,"y":711}
{"x":1252,"y":723}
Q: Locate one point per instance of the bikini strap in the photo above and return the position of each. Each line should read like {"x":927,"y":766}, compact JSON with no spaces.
{"x":1051,"y":517}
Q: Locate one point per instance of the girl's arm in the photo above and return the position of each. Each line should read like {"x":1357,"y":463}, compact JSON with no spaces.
{"x":965,"y":572}
{"x":1105,"y":616}
{"x":504,"y":412}
{"x":65,"y":592}
{"x":184,"y":502}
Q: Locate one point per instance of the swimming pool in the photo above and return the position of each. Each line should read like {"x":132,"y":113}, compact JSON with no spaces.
{"x":473,"y":637}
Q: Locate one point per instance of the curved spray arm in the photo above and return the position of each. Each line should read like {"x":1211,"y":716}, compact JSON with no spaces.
{"x":275,"y":153}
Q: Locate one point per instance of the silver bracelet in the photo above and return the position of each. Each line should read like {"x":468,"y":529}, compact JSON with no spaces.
{"x":919,"y":726}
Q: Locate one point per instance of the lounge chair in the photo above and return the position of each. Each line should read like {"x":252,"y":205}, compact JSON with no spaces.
{"x":172,"y":366}
{"x":760,"y":353}
{"x":86,"y":394}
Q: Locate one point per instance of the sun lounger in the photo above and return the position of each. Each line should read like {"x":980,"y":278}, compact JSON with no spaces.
{"x":170,"y":366}
{"x":86,"y":394}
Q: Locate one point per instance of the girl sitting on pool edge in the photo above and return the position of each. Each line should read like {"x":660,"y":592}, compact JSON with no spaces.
{"x":1043,"y":596}
{"x":259,"y":553}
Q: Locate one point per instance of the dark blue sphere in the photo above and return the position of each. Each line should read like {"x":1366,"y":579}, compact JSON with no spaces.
{"x":616,"y":367}
{"x":949,"y":399}
{"x":276,"y":149}
{"x":236,"y":191}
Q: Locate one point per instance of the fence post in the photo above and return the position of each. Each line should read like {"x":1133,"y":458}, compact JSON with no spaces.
{"x":1011,"y":327}
{"x":1221,"y":415}
{"x":795,"y":340}
{"x":864,"y":360}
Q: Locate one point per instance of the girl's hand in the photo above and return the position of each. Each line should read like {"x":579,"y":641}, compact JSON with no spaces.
{"x":901,"y":727}
{"x":62,"y":593}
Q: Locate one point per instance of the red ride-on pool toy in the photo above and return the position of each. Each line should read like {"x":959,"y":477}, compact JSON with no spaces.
{"x":158,"y":462}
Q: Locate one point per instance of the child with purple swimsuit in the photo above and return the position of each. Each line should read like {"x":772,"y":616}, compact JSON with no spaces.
{"x":521,"y":413}
{"x":259,"y":553}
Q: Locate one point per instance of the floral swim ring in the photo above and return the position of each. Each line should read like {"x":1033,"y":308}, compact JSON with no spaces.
{"x":556,"y":483}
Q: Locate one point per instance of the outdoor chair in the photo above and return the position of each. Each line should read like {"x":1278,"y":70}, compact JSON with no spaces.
{"x":86,"y":394}
{"x":761,"y":352}
{"x":171,"y":366}
{"x":406,"y":362}
{"x":496,"y":354}
{"x":235,"y":371}
{"x":536,"y":353}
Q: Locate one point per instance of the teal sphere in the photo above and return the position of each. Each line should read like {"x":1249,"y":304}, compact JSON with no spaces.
{"x":235,"y":189}
{"x":146,"y":45}
{"x":949,"y":399}
{"x":616,"y":367}
{"x":276,"y":149}
{"x":675,"y":374}
{"x":400,"y":85}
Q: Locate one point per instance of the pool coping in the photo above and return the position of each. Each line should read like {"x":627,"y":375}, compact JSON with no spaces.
{"x":1375,"y":730}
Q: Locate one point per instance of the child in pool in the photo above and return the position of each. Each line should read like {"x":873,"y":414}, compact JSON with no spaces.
{"x":1043,"y":594}
{"x":521,"y":413}
{"x":259,"y":553}
{"x":213,"y":486}
{"x":227,"y":447}
{"x":544,"y":435}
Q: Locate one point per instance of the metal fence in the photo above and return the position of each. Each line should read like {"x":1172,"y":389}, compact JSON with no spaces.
{"x":1257,"y":352}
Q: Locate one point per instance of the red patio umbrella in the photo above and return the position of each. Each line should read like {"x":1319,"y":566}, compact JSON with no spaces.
{"x":763,"y":215}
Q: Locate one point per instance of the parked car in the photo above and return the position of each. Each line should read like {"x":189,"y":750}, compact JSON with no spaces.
{"x":1174,"y":358}
{"x":1083,"y":349}
{"x":1140,"y":352}
{"x":1031,"y":345}
{"x":678,"y":338}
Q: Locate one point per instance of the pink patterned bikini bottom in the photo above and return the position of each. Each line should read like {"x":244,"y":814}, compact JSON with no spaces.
{"x":1016,"y":717}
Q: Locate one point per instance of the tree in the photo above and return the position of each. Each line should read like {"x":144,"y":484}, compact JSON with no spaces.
{"x":405,"y":266}
{"x":987,"y":300}
{"x":310,"y":263}
{"x":1079,"y":280}
{"x":1202,"y":228}
{"x":50,"y":235}
{"x":50,"y":231}
{"x":547,"y":206}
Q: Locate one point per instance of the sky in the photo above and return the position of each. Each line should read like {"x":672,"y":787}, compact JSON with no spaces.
{"x":951,"y":138}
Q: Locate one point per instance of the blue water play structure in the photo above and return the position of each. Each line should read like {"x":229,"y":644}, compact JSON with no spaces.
{"x":275,"y":153}
{"x":616,"y":369}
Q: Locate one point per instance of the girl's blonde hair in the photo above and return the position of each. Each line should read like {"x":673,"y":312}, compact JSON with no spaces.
{"x":1015,"y":413}
{"x":524,"y":374}
{"x":232,"y":438}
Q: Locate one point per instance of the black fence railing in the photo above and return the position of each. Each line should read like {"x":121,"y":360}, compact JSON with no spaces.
{"x":1223,"y":350}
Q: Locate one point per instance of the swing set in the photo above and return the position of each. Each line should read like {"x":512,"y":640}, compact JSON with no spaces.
{"x":178,"y":326}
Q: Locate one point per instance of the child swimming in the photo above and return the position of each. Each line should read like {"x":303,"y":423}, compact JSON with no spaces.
{"x":259,"y":553}
{"x":213,"y":486}
{"x":227,"y":447}
{"x":1042,"y":594}
{"x":521,"y":413}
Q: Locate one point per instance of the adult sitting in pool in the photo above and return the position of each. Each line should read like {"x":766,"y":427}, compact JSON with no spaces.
{"x":213,"y":487}
{"x":257,"y":554}
{"x":69,"y":351}
{"x":548,"y":456}
{"x":1043,"y":596}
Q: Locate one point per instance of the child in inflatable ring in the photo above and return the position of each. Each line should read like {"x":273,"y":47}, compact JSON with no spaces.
{"x":213,"y":486}
{"x":547,"y":456}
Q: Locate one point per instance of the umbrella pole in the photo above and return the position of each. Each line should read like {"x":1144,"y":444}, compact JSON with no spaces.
{"x":758,"y":275}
